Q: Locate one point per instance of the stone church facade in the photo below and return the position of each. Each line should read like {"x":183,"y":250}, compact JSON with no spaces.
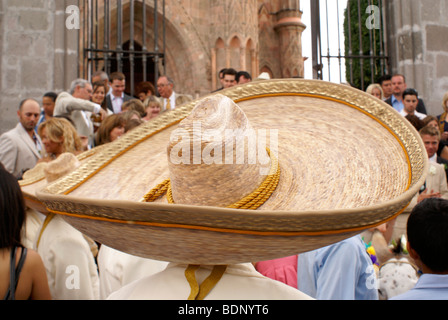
{"x":39,"y":53}
{"x":201,"y":37}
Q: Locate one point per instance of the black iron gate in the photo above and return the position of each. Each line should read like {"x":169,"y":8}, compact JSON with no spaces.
{"x":104,"y":18}
{"x":350,"y":34}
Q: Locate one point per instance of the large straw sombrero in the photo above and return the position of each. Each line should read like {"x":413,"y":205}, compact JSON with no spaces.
{"x":346,"y":162}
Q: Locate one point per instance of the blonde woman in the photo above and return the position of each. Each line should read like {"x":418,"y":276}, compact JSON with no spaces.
{"x":59,"y":136}
{"x":153,"y":108}
{"x":443,"y":124}
{"x":375,"y":90}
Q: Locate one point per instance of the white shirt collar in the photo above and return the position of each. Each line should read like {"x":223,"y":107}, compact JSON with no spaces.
{"x":433,"y":158}
{"x":120,"y":97}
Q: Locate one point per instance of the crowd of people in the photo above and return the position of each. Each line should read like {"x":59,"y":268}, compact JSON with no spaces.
{"x":395,"y":92}
{"x":97,"y":112}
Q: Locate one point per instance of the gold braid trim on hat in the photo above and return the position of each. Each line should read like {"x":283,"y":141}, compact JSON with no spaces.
{"x":250,"y":202}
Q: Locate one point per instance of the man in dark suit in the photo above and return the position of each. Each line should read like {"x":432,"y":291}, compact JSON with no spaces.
{"x":396,"y":100}
{"x":116,"y":97}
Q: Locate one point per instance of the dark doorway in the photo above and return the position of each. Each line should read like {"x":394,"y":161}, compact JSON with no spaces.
{"x":136,"y":62}
{"x":132,"y":58}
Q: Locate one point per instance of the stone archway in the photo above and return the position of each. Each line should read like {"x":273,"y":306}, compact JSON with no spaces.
{"x":176,"y":55}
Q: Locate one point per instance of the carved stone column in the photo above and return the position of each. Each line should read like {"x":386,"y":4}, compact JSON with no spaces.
{"x":290,"y":27}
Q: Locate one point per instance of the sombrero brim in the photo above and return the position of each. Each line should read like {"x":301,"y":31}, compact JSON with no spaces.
{"x":349,"y":162}
{"x":35,"y":180}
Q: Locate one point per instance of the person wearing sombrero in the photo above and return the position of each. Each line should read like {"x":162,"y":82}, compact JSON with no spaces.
{"x":117,"y":269}
{"x":236,"y":281}
{"x":182,"y":189}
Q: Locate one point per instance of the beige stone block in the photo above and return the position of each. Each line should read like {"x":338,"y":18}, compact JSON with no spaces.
{"x":59,"y":31}
{"x":442,"y":65}
{"x":19,"y":44}
{"x":430,"y":10}
{"x":437,"y":38}
{"x":41,"y":48}
{"x":35,"y":74}
{"x":26,"y":4}
{"x":10,"y":79}
{"x":410,"y":46}
{"x":34,"y":20}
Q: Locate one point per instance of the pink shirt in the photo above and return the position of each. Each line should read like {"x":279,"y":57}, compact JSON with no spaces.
{"x":283,"y":270}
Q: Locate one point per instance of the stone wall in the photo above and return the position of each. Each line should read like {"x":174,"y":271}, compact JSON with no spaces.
{"x":34,"y":53}
{"x":418,"y":47}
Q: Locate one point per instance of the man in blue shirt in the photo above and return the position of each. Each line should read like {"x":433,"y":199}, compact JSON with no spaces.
{"x":48,"y":103}
{"x":427,"y":244}
{"x":342,"y":271}
{"x":398,"y":87}
{"x":396,"y":99}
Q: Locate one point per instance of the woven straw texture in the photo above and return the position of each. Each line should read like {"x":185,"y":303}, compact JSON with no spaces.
{"x":34,"y":179}
{"x":348,"y":162}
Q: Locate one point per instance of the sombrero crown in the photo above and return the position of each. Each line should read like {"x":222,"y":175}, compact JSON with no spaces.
{"x":212,"y":155}
{"x":333,"y":162}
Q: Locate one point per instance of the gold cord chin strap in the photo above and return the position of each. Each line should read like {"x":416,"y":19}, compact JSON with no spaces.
{"x":250,"y":202}
{"x":47,"y":220}
{"x":200,"y":292}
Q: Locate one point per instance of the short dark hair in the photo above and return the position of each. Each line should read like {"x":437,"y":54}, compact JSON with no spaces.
{"x":221,"y":72}
{"x":386,"y":77}
{"x":415,"y":121}
{"x":410,"y":92}
{"x":51,"y":95}
{"x":427,"y":228}
{"x":230,"y":71}
{"x":144,"y":87}
{"x":245,"y":74}
{"x":117,"y":76}
{"x":12,"y":208}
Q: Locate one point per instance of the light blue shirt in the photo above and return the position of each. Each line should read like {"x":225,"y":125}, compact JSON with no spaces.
{"x":342,"y":271}
{"x":41,"y":120}
{"x":428,"y":287}
{"x":398,"y":105}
